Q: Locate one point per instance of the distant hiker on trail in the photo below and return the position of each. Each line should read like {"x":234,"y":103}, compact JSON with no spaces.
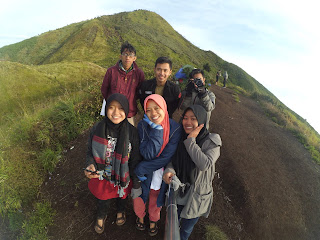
{"x":160,"y":85}
{"x":112,"y":155}
{"x":225,"y":78}
{"x":192,"y":169}
{"x":159,"y":137}
{"x":125,"y":78}
{"x":196,"y":93}
{"x":218,"y":75}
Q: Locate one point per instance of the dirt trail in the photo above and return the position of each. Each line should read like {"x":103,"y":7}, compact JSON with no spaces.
{"x":266,"y":187}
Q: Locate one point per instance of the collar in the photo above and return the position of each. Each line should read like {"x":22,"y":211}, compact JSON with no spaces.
{"x":121,"y":67}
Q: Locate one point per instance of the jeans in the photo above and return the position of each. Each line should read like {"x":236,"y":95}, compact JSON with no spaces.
{"x":186,"y":225}
{"x":103,"y":206}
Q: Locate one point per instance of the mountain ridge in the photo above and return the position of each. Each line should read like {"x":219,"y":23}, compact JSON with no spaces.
{"x":98,"y":41}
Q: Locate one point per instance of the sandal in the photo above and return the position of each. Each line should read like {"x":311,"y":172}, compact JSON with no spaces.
{"x":121,"y":220}
{"x":99,"y":229}
{"x":153,"y":231}
{"x":140,"y":226}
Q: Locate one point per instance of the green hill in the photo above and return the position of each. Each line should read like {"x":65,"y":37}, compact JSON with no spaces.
{"x":50,"y":92}
{"x":99,"y":40}
{"x":26,"y":88}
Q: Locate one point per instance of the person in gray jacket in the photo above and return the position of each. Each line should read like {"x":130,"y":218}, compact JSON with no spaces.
{"x":193,"y":167}
{"x":196,"y":93}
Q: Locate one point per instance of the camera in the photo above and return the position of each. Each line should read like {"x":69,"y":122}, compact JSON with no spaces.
{"x":198,"y":82}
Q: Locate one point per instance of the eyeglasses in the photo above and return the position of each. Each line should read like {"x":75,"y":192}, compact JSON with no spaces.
{"x":131,"y":55}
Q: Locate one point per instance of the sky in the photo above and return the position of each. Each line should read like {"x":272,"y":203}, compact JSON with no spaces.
{"x":274,"y":41}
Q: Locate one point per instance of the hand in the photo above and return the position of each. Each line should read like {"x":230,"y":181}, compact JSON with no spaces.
{"x":167,"y":177}
{"x":90,"y":175}
{"x":152,"y":124}
{"x":136,"y":192}
{"x":201,"y":89}
{"x":142,"y":178}
{"x":195,"y":132}
{"x":190,"y":86}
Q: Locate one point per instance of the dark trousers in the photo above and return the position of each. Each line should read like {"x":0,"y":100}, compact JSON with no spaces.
{"x":103,"y":206}
{"x":186,"y":225}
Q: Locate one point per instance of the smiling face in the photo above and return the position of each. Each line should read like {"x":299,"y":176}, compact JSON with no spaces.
{"x":115,"y":112}
{"x":154,"y":112}
{"x":162,"y":71}
{"x":189,"y":122}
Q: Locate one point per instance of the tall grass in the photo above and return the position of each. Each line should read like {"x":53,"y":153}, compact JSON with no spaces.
{"x":36,"y":133}
{"x":36,"y":223}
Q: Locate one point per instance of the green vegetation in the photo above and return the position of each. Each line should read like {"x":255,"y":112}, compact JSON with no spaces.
{"x":52,"y":105}
{"x":35,"y":225}
{"x":214,"y":233}
{"x":50,"y":93}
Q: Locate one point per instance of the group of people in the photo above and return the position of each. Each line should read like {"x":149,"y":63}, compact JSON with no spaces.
{"x":225,"y":77}
{"x":142,"y":162}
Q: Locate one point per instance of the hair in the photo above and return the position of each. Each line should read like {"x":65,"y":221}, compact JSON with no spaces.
{"x":164,"y":60}
{"x":196,"y":71}
{"x":127,"y":46}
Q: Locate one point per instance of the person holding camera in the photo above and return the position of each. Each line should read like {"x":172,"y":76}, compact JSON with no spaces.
{"x":196,"y":93}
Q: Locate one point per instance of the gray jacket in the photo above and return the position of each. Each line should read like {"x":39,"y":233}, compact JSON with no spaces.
{"x":208,"y":102}
{"x":201,"y":192}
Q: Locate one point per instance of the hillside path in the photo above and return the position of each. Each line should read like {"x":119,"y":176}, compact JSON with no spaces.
{"x":266,"y":186}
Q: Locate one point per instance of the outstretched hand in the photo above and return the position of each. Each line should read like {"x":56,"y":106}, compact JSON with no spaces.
{"x":91,"y":173}
{"x":195,"y":132}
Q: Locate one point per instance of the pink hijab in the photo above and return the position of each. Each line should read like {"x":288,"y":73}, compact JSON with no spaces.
{"x":158,"y":99}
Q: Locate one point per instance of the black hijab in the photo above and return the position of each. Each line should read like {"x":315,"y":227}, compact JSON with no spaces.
{"x":182,"y":162}
{"x":125,"y":105}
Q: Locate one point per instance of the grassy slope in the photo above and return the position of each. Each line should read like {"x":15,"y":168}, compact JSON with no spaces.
{"x":38,"y":102}
{"x":25,"y":89}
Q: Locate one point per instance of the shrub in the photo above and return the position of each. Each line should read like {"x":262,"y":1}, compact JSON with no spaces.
{"x":34,"y":227}
{"x":49,"y":159}
{"x":206,"y":67}
{"x":214,"y":233}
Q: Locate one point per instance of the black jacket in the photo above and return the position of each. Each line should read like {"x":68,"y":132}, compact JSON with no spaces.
{"x":171,"y":94}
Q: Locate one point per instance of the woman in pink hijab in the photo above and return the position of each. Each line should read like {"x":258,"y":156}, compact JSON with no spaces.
{"x":159,"y":137}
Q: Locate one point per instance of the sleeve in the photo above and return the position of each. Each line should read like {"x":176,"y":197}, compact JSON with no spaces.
{"x":148,"y":167}
{"x":106,"y":84}
{"x":169,"y":168}
{"x":89,"y":157}
{"x":185,"y":101}
{"x":208,"y":101}
{"x":177,"y":94}
{"x":140,"y":81}
{"x":202,"y":159}
{"x":135,"y":157}
{"x":151,"y":142}
{"x":141,"y":93}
